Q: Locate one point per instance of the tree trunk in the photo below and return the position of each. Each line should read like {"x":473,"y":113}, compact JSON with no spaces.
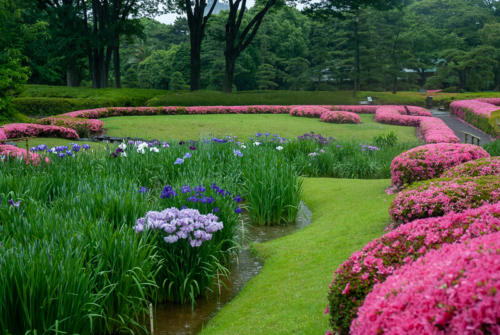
{"x":72,"y":76}
{"x":195,"y":62}
{"x":356,"y":54}
{"x":395,"y":84}
{"x":227,"y":85}
{"x":116,"y":66}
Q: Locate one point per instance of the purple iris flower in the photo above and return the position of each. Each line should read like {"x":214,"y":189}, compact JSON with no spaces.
{"x":143,"y":189}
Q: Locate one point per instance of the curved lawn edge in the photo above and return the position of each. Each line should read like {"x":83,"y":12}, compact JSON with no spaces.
{"x":289,"y":295}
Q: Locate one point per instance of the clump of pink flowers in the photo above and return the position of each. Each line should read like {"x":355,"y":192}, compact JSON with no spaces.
{"x":441,"y":196}
{"x":359,"y":109}
{"x":308,"y":111}
{"x":7,"y":150}
{"x":477,"y":112}
{"x":489,"y":166}
{"x":91,"y":125}
{"x":431,"y":160}
{"x":16,"y":130}
{"x":355,"y":278}
{"x":453,"y":290}
{"x":340,"y":117}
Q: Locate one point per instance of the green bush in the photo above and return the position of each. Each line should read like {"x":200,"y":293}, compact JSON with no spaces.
{"x":493,"y":148}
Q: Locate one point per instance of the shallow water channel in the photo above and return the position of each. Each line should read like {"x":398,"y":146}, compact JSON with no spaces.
{"x":175,"y":319}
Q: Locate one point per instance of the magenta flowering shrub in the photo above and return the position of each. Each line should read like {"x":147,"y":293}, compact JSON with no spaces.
{"x":307,"y":111}
{"x":7,"y":150}
{"x":15,"y":130}
{"x":493,"y":101}
{"x":431,"y":129}
{"x":453,"y":290}
{"x":438,"y":197}
{"x":81,"y":125}
{"x":355,"y":278}
{"x":360,"y":109}
{"x":434,"y":130}
{"x":478,"y":107}
{"x":340,"y":117}
{"x":431,"y":160}
{"x":477,"y":112}
{"x":489,"y":166}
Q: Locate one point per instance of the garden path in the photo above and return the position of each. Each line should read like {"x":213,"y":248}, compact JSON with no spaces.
{"x":458,"y":126}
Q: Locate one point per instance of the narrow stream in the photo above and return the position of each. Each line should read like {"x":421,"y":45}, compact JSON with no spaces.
{"x":175,"y":319}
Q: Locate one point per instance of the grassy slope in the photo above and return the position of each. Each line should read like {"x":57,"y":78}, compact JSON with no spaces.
{"x":245,"y":126}
{"x":289,"y":295}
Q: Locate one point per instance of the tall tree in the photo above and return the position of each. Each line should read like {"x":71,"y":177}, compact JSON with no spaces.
{"x":237,"y":40}
{"x":198,"y":13}
{"x":341,"y":8}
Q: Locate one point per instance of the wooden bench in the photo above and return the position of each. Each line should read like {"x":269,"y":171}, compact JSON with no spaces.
{"x":368,"y":101}
{"x":472,"y":138}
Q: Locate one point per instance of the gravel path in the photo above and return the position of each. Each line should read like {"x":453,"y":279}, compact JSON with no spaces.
{"x":458,"y":126}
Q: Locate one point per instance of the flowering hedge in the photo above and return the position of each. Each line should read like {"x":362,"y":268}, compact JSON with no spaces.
{"x":434,"y":130}
{"x":15,"y":130}
{"x":83,"y":127}
{"x":431,"y":129}
{"x":430,"y":161}
{"x":308,"y":111}
{"x":356,"y":277}
{"x":441,"y":196}
{"x":7,"y":150}
{"x":360,"y":109}
{"x":453,"y":290}
{"x":173,"y":110}
{"x":493,"y":101}
{"x":340,"y":117}
{"x":489,"y":166}
{"x":477,"y":113}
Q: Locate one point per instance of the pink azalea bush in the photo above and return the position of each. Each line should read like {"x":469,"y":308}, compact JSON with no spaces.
{"x":16,"y":130}
{"x":174,"y":110}
{"x":82,"y":126}
{"x":7,"y":150}
{"x":453,"y":290}
{"x":431,"y":129}
{"x":493,"y":101}
{"x":477,"y":112}
{"x":359,"y":109}
{"x":489,"y":166}
{"x":340,"y":117}
{"x":431,"y":160}
{"x":307,"y":111}
{"x":434,"y":130}
{"x":355,"y":278}
{"x":438,"y":197}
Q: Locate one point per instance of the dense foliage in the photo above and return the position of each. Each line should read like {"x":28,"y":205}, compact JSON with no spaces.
{"x":418,"y":45}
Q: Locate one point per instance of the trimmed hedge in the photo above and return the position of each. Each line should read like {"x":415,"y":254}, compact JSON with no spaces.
{"x":489,"y":166}
{"x":453,"y":290}
{"x":438,"y":197}
{"x":357,"y":276}
{"x":430,"y":161}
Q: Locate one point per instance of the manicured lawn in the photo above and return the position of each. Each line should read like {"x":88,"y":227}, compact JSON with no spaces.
{"x":289,"y":295}
{"x":245,"y":126}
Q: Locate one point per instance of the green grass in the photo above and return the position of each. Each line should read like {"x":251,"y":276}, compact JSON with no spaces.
{"x":246,"y":126}
{"x":45,"y":91}
{"x":290,"y":294}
